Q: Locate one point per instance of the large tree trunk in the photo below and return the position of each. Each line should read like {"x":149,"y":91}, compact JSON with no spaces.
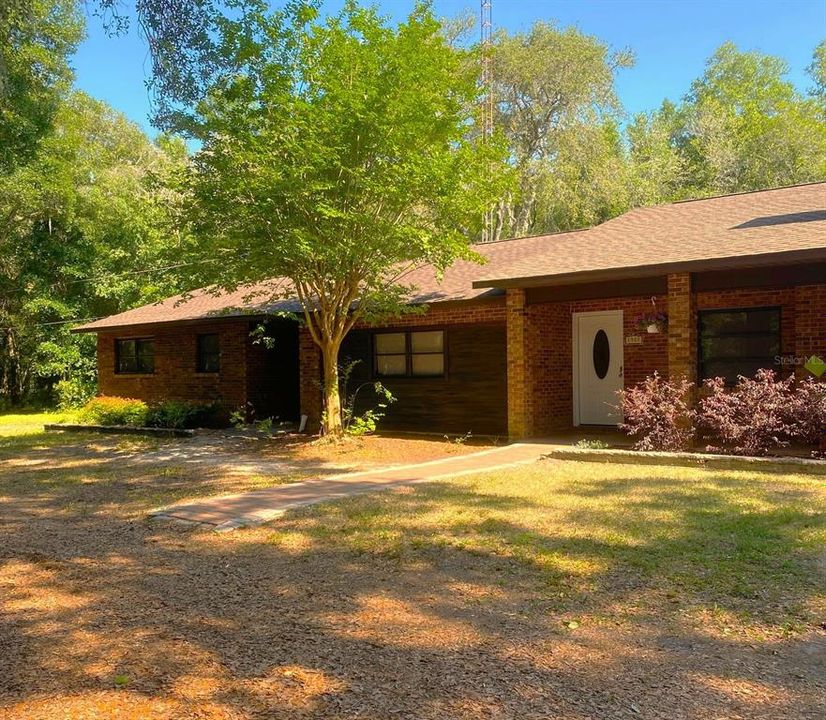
{"x":329,"y":317}
{"x":332,"y":399}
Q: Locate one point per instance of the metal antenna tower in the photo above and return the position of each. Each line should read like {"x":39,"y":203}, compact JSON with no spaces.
{"x":486,"y":27}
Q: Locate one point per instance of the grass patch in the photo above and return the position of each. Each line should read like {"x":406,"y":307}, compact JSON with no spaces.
{"x":29,"y":423}
{"x":610,"y":539}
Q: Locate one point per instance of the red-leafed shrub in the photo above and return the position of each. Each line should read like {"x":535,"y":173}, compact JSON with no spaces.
{"x":753,"y":417}
{"x":658,"y":413}
{"x":809,"y":409}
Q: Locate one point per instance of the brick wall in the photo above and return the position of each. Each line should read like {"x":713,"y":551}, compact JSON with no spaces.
{"x":682,"y":327}
{"x":175,"y":375}
{"x":309,"y":373}
{"x":539,"y":353}
{"x":449,"y":314}
{"x":543,"y":334}
{"x":549,"y":354}
{"x":520,"y":378}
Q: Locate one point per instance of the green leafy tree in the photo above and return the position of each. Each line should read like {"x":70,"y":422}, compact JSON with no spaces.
{"x":743,"y":126}
{"x":657,"y":171}
{"x":817,"y":71}
{"x":556,"y":105}
{"x":36,"y":39}
{"x":586,"y":183}
{"x":339,"y":157}
{"x":80,"y":225}
{"x":187,"y":46}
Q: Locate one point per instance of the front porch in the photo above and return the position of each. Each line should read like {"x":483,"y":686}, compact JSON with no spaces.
{"x":552,"y":380}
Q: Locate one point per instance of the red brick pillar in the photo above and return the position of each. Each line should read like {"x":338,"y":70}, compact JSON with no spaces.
{"x":309,"y":372}
{"x":520,"y":404}
{"x":682,"y":328}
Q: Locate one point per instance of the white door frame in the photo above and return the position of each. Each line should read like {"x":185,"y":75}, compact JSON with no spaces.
{"x":575,"y":347}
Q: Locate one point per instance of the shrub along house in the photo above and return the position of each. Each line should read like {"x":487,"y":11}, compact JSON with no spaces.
{"x":536,"y":340}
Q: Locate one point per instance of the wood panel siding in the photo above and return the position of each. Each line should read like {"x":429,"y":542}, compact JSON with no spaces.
{"x":745,"y":278}
{"x":471,"y":397}
{"x":596,"y":291}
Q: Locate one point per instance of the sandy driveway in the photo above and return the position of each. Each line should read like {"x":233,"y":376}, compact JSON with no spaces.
{"x":378,"y":607}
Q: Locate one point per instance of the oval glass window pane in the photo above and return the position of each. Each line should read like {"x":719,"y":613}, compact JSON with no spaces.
{"x":602,"y":354}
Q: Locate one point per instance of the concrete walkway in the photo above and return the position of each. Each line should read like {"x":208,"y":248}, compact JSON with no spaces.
{"x":228,"y":512}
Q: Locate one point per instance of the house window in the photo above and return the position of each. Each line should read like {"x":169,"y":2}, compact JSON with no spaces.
{"x":427,"y":353}
{"x":136,"y":355}
{"x":738,"y":342}
{"x":391,"y":354}
{"x":410,"y":354}
{"x":209,"y":355}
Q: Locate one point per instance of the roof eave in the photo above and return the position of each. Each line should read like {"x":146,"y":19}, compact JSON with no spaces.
{"x":789,"y":257}
{"x":491,"y":296}
{"x":171,"y":323}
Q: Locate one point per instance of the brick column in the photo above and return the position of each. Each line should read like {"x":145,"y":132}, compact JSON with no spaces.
{"x":520,"y":404}
{"x":309,"y":374}
{"x":682,"y":328}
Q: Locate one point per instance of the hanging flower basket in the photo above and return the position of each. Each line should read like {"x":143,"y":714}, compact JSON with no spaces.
{"x":652,"y":322}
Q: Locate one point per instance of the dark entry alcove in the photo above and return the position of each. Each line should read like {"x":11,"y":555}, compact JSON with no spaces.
{"x":272,"y":372}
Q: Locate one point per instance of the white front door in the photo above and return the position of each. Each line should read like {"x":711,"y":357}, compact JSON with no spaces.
{"x":598,"y":361}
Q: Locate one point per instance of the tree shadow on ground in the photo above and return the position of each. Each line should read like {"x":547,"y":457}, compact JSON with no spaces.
{"x":447,"y":600}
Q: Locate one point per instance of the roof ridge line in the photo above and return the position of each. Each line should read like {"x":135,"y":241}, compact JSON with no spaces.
{"x":735,"y":194}
{"x":528,"y":237}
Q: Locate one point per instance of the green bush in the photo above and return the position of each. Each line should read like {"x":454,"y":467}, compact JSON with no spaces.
{"x":179,"y":414}
{"x":74,"y":393}
{"x":106,"y":410}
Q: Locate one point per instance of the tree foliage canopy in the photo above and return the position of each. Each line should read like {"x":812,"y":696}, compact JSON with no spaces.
{"x":36,"y":39}
{"x":741,"y":126}
{"x":557,"y":107}
{"x":341,"y":160}
{"x":79,"y":225}
{"x":746,"y":127}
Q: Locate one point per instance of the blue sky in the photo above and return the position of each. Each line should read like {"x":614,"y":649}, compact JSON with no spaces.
{"x":671,"y":39}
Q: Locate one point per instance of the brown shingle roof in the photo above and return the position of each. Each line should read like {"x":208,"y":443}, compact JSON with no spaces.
{"x":749,"y":227}
{"x":725,"y":231}
{"x":261,"y":299}
{"x":274,"y":296}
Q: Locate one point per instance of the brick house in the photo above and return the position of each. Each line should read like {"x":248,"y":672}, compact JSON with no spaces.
{"x":537,"y":339}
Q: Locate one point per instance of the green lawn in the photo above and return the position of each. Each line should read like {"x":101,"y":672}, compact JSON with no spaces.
{"x":735,"y":549}
{"x":29,"y":423}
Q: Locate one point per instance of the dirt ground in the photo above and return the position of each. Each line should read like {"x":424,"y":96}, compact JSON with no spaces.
{"x":214,"y":462}
{"x":357,"y":609}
